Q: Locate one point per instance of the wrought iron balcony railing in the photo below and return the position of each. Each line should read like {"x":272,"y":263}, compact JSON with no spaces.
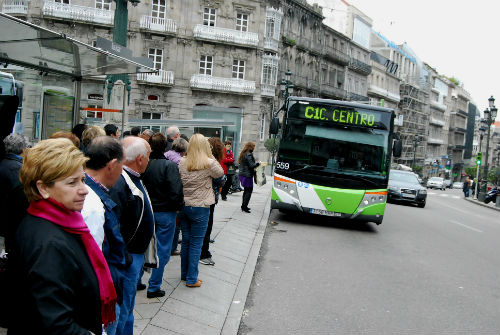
{"x":15,"y":7}
{"x":158,"y":24}
{"x":78,"y":13}
{"x":205,"y":82}
{"x":360,"y":67}
{"x":336,"y":55}
{"x":225,"y":35}
{"x":161,"y":78}
{"x":332,"y":91}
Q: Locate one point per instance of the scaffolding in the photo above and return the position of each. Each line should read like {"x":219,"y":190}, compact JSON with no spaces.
{"x":415,"y":110}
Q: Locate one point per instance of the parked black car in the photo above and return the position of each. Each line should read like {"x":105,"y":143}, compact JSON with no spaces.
{"x":405,"y":187}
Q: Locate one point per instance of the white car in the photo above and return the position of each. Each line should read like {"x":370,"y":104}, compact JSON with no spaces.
{"x":436,"y":182}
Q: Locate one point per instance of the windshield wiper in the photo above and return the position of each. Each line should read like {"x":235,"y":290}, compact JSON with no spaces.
{"x":336,"y":174}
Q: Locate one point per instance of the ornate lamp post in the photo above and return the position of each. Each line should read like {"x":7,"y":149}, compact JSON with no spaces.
{"x":489,"y":114}
{"x":286,"y":86}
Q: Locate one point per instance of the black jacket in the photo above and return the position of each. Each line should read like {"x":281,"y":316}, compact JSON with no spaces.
{"x":136,"y":232}
{"x":54,"y":285}
{"x":163,"y":182}
{"x":13,"y":201}
{"x":248,"y":165}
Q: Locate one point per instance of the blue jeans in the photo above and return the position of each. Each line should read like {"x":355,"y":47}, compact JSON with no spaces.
{"x":125,"y":324}
{"x":175,"y":241}
{"x":165,"y":228}
{"x":194,"y":221}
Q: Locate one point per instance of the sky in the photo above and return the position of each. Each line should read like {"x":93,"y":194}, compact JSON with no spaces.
{"x":458,"y":38}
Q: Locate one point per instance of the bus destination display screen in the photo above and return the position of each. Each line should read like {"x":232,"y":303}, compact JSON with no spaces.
{"x":341,"y":115}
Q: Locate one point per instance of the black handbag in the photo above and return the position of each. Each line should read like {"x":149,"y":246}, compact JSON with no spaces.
{"x":231,"y":169}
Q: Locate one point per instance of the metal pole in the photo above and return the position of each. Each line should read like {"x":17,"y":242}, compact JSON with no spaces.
{"x":478,"y":168}
{"x":484,"y":185}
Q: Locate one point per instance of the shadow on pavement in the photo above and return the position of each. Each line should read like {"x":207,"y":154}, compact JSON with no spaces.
{"x":322,"y":221}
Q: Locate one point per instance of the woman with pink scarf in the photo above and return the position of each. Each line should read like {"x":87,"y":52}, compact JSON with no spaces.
{"x":61,"y":280}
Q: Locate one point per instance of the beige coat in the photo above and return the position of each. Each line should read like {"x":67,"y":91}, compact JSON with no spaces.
{"x":198,"y":184}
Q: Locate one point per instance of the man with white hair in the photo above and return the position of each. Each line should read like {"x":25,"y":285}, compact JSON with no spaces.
{"x":13,"y":201}
{"x":173,"y":133}
{"x":135,"y":213}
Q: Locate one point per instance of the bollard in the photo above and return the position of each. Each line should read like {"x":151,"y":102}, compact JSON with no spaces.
{"x":497,"y":203}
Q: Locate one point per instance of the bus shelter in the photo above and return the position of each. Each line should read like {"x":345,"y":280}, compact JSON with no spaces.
{"x":54,"y":65}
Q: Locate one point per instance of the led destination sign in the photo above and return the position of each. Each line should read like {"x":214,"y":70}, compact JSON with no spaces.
{"x":341,"y":115}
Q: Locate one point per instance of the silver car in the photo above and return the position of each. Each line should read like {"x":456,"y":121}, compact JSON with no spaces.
{"x":436,"y":182}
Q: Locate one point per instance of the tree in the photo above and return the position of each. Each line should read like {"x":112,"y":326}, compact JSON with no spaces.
{"x":471,"y":171}
{"x":272,"y":144}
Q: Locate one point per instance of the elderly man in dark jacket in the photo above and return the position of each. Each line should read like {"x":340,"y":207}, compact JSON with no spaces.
{"x":163,"y":182}
{"x":13,"y":202}
{"x":134,"y":211}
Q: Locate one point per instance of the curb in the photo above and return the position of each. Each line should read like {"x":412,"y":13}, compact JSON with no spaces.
{"x":235,"y":313}
{"x":483,"y":204}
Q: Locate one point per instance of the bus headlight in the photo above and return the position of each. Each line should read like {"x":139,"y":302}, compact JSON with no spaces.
{"x":372,"y":198}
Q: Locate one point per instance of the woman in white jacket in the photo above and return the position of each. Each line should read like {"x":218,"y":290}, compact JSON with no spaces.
{"x":197,"y":169}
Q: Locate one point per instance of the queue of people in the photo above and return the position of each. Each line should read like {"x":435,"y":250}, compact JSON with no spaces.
{"x":92,"y":213}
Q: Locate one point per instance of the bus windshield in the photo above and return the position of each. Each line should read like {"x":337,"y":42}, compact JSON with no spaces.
{"x":326,"y":149}
{"x":7,"y":86}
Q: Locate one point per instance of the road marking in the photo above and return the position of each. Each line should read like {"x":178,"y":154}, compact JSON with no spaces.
{"x":466,"y":226}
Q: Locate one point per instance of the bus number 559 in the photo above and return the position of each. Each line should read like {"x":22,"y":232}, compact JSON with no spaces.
{"x":282,"y":166}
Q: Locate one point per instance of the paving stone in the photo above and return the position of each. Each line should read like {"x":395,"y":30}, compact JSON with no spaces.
{"x":194,"y":313}
{"x":182,"y":325}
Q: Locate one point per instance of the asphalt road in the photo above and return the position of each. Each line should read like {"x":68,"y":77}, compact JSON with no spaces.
{"x":434,"y":270}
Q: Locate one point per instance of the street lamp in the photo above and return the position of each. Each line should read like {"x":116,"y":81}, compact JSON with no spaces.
{"x":489,"y":114}
{"x":416,"y":141}
{"x":286,"y":85}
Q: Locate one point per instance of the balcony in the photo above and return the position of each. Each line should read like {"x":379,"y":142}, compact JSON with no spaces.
{"x":384,"y":93}
{"x":357,"y":97}
{"x":271,"y":44}
{"x":435,"y":141}
{"x":438,"y":105}
{"x":268,"y":90}
{"x":335,"y":55}
{"x":299,"y":81}
{"x":332,"y":91}
{"x":158,"y":24}
{"x":462,"y":113}
{"x":231,"y":85}
{"x":77,"y":13}
{"x":360,"y":67}
{"x":306,"y":44}
{"x":459,"y":147}
{"x":313,"y":85}
{"x":459,"y":130}
{"x":165,"y":78}
{"x":15,"y":7}
{"x":224,"y":35}
{"x":436,"y":122}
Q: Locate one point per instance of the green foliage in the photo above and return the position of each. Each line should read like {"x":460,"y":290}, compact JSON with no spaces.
{"x":288,"y":41}
{"x":471,"y":171}
{"x":418,"y":168}
{"x":454,"y":81}
{"x":272,"y":144}
{"x":494,"y":175}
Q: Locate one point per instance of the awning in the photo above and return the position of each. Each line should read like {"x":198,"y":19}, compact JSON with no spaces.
{"x":32,"y":46}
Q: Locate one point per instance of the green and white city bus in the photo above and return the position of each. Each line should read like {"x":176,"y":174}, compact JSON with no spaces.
{"x":334,"y":158}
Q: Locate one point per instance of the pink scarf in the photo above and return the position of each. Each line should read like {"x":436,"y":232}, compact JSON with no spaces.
{"x":72,"y":222}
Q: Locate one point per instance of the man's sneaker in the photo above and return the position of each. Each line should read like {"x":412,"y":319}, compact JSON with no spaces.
{"x":141,"y":287}
{"x":156,"y":294}
{"x":207,"y":261}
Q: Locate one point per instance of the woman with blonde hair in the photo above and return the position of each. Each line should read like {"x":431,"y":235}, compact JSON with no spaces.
{"x":247,"y":170}
{"x":90,"y":133}
{"x":197,"y":170}
{"x":61,"y":280}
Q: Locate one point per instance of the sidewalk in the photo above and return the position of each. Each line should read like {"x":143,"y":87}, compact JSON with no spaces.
{"x":479,"y":203}
{"x":217,"y":306}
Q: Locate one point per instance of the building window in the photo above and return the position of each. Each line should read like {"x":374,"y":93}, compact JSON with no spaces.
{"x":324,"y":73}
{"x":242,"y":22}
{"x":206,"y":63}
{"x":151,"y":116}
{"x":209,"y":16}
{"x":102,"y":4}
{"x":153,"y":97}
{"x":263,"y":127}
{"x":157,"y":56}
{"x":62,"y":1}
{"x":239,"y":69}
{"x":159,"y":9}
{"x":270,"y":27}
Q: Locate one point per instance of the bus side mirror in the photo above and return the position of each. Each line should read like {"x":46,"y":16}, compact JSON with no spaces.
{"x":274,"y":127}
{"x":397,"y":148}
